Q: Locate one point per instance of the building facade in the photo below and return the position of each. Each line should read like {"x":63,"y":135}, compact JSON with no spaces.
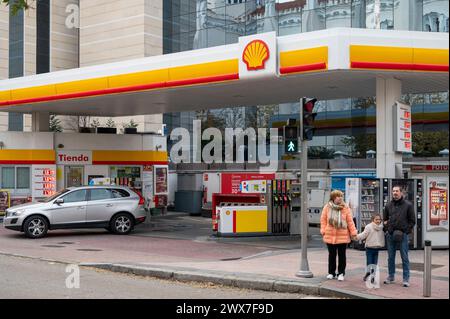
{"x":344,"y":125}
{"x":66,"y":34}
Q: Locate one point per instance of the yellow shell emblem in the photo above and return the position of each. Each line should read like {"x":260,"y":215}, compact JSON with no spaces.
{"x":255,"y":55}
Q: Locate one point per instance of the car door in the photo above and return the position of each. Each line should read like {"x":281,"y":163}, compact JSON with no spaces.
{"x":72,"y":211}
{"x":100,"y":205}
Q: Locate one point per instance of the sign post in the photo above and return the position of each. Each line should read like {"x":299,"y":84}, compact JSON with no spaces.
{"x":304,"y":271}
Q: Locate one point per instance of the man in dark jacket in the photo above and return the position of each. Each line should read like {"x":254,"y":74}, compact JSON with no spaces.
{"x":399,"y":220}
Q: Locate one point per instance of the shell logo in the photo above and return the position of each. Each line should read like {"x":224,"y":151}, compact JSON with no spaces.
{"x":255,"y":55}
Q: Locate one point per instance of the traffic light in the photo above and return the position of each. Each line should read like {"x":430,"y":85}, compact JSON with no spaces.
{"x":308,"y":118}
{"x":290,"y":134}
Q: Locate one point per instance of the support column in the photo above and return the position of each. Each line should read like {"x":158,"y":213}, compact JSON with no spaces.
{"x":389,"y":90}
{"x":40,"y":122}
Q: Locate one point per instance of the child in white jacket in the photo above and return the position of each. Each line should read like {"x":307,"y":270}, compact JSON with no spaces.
{"x":374,"y":236}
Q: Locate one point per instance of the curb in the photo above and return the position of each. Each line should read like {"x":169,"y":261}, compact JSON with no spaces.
{"x":66,"y":262}
{"x":238,"y":280}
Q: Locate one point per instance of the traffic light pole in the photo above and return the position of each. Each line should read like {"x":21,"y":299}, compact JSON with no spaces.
{"x":304,"y":271}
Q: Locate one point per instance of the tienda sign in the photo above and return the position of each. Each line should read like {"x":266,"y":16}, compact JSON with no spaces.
{"x":73,"y":157}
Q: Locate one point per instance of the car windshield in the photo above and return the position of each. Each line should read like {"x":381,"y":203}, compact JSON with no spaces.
{"x":50,"y":198}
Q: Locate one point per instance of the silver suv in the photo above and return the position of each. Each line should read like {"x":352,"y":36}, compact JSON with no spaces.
{"x":116,"y":208}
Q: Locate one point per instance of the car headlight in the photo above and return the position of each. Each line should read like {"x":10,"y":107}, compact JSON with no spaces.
{"x":18,"y":212}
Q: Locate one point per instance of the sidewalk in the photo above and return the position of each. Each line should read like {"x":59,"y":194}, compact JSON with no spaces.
{"x":269,"y":269}
{"x":187,"y":253}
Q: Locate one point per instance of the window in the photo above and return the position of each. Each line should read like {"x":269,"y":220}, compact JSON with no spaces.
{"x":16,"y":61}
{"x":8,"y":178}
{"x":13,"y":177}
{"x":76,"y":196}
{"x":16,"y":43}
{"x":119,"y":193}
{"x":43,"y":36}
{"x":23,"y":177}
{"x":100,"y":193}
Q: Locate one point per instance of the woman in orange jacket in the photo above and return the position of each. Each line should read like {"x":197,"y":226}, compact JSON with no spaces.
{"x":336,"y":227}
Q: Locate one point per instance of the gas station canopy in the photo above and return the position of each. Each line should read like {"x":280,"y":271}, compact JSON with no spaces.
{"x":260,"y":69}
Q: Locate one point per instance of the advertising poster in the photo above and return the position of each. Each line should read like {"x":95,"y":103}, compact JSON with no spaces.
{"x":5,"y":201}
{"x":437,"y":209}
{"x":161,"y":175}
{"x":231,"y":182}
{"x":352,"y":195}
{"x":147,"y":184}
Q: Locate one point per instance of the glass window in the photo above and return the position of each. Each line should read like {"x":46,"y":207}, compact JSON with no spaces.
{"x":100,"y":193}
{"x":289,"y":21}
{"x":338,"y":15}
{"x":380,"y":14}
{"x":43,"y":36}
{"x":408,"y":15}
{"x":215,"y":36}
{"x":119,"y":193}
{"x":8,"y":178}
{"x":15,"y":121}
{"x":313,"y":20}
{"x":267,"y":25}
{"x":235,"y":13}
{"x":16,"y":31}
{"x":232,"y":37}
{"x":76,"y":196}
{"x":435,"y":15}
{"x":23,"y":177}
{"x":358,"y":14}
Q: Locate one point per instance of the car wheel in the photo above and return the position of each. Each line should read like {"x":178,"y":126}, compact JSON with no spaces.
{"x":35,"y":227}
{"x":121,"y":224}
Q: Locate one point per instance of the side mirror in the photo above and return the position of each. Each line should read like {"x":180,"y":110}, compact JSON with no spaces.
{"x":59,"y":201}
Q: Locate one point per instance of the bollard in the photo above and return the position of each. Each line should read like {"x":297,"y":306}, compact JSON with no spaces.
{"x":427,"y":269}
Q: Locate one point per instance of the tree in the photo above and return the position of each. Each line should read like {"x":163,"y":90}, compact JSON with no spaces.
{"x":359,"y":144}
{"x":95,"y":123}
{"x":110,"y":123}
{"x":428,"y":144}
{"x":317,"y":152}
{"x":364,"y":103}
{"x":131,"y":124}
{"x":17,"y":5}
{"x":55,"y":124}
{"x":84,"y":121}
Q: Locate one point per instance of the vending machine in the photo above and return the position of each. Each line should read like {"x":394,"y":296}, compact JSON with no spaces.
{"x":363,"y":195}
{"x":413,"y":191}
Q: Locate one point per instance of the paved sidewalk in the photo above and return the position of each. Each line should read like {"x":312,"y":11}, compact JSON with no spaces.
{"x":272,"y":267}
{"x":259,"y":263}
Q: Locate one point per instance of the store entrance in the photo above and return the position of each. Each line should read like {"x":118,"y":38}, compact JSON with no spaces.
{"x":74,"y":176}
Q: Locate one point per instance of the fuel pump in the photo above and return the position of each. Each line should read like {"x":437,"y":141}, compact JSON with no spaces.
{"x":284,"y":207}
{"x":295,"y":226}
{"x":276,"y":206}
{"x":289,"y":200}
{"x":280,"y":204}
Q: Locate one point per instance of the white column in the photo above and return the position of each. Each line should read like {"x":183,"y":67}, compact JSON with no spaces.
{"x":389,"y":91}
{"x":40,"y":122}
